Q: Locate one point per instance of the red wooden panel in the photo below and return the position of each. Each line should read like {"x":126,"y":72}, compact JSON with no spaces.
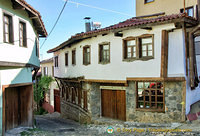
{"x":57,"y":100}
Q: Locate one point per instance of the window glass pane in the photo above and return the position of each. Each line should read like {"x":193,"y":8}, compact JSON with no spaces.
{"x":6,"y":19}
{"x":190,"y":12}
{"x":129,"y":49}
{"x":134,"y":48}
{"x":132,"y":42}
{"x":144,"y":53}
{"x":134,"y":54}
{"x":150,"y":53}
{"x":147,"y":105}
{"x":140,"y":91}
{"x":146,"y":40}
{"x":144,"y":47}
{"x":146,"y":84}
{"x":88,"y":49}
{"x":106,"y":47}
{"x":140,"y":84}
{"x":141,"y":105}
{"x":6,"y":37}
{"x":129,"y":55}
{"x":150,"y":47}
{"x":140,"y":97}
{"x":6,"y":28}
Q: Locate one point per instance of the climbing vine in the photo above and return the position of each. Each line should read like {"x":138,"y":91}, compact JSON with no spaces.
{"x":40,"y":88}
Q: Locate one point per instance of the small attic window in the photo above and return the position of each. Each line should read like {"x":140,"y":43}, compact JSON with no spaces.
{"x":148,"y":1}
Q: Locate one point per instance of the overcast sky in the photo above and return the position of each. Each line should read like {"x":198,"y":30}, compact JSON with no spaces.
{"x":72,"y":22}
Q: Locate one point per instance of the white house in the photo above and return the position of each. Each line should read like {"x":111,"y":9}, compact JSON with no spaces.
{"x":47,"y":69}
{"x":137,"y":70}
{"x":20,"y":27}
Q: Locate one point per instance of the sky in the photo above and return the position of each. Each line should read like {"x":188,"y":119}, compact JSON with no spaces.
{"x":72,"y":19}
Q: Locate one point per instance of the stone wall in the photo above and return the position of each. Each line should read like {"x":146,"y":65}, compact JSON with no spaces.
{"x":173,"y":107}
{"x":74,"y":112}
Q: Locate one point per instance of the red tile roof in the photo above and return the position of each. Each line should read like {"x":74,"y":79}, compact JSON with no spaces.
{"x":29,"y":8}
{"x":133,"y":22}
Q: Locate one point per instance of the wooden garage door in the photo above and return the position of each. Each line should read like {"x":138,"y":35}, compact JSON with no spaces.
{"x":57,"y":100}
{"x":11,"y":108}
{"x":113,"y":104}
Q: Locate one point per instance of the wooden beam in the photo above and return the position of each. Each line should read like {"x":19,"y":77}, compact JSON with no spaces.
{"x":186,"y":47}
{"x":16,"y":64}
{"x":191,"y":60}
{"x":183,"y":101}
{"x":164,"y":54}
{"x":169,"y":79}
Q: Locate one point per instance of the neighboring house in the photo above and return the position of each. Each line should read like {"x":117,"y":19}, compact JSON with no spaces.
{"x":47,"y":68}
{"x":137,"y":70}
{"x":165,"y":7}
{"x":20,"y":28}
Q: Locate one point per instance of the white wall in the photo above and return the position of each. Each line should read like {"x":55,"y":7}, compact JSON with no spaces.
{"x":12,"y":52}
{"x":176,"y":55}
{"x":117,"y":69}
{"x":53,"y":85}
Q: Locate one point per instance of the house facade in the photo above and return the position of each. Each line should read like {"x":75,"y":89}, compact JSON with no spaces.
{"x":20,"y":26}
{"x":137,"y":70}
{"x":47,"y":69}
{"x":161,"y":7}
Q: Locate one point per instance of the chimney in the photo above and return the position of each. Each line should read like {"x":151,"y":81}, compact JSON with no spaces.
{"x":87,"y":24}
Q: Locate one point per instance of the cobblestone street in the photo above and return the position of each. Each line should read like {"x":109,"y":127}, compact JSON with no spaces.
{"x":55,"y":126}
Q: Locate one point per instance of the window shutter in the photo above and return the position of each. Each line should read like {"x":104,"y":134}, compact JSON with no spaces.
{"x":24,"y":35}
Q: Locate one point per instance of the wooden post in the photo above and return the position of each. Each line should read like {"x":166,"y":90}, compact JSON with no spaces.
{"x":191,"y":59}
{"x":186,"y":48}
{"x":184,"y":6}
{"x":164,"y":54}
{"x":198,"y":6}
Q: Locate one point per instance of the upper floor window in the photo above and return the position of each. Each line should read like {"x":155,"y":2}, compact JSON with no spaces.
{"x":104,"y":52}
{"x":56,"y":61}
{"x":148,"y":1}
{"x":189,"y":11}
{"x":147,"y":47}
{"x":22,"y":34}
{"x":86,"y":55}
{"x":66,"y":59}
{"x":45,"y":71}
{"x":37,"y":47}
{"x":74,"y":57}
{"x":8,"y":28}
{"x":130,"y":48}
{"x":53,"y":71}
{"x":138,"y":47}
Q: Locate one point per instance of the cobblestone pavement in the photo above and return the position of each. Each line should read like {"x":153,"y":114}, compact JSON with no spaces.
{"x":55,"y":126}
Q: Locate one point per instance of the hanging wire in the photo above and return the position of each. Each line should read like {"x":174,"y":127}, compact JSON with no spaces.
{"x":55,"y":23}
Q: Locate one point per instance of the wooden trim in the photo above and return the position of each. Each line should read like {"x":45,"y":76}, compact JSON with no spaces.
{"x":17,"y":85}
{"x":186,"y":47}
{"x":164,"y":54}
{"x":102,"y":44}
{"x":104,"y":81}
{"x":113,"y":87}
{"x":86,"y":46}
{"x":156,"y":79}
{"x":183,"y":101}
{"x":150,"y":110}
{"x":152,"y":15}
{"x":16,"y":64}
{"x":74,"y":56}
{"x":191,"y":60}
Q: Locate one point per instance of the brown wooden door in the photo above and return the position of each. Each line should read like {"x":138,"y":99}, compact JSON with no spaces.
{"x":11,"y":108}
{"x":57,"y":100}
{"x":113,"y":104}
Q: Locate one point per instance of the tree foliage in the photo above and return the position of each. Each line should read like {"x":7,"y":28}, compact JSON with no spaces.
{"x":41,"y":87}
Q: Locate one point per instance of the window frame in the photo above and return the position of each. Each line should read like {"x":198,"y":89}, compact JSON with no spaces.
{"x":146,"y":2}
{"x":138,"y":41}
{"x":150,"y":109}
{"x":24,"y":34}
{"x":101,"y":61}
{"x":56,"y":61}
{"x":86,"y":53}
{"x":66,"y":59}
{"x":74,"y":57}
{"x":10,"y":28}
{"x":45,"y":70}
{"x":187,"y":9}
{"x":140,"y":46}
